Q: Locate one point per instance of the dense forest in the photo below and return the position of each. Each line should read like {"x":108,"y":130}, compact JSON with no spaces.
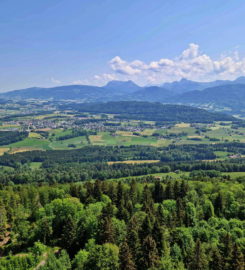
{"x":76,"y":172}
{"x":167,"y":224}
{"x":76,"y":133}
{"x":151,"y":111}
{"x":120,"y":153}
{"x":7,"y":137}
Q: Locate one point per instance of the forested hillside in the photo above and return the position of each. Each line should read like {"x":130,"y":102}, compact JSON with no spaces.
{"x":151,"y":111}
{"x":114,"y":225}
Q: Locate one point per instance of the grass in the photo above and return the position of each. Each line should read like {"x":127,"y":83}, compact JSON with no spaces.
{"x":32,"y":143}
{"x":126,"y":139}
{"x":6,"y":168}
{"x":34,"y":135}
{"x":35,"y":165}
{"x":222,"y":154}
{"x":64,"y":144}
{"x":96,"y":139}
{"x":234,"y":174}
{"x":148,"y":131}
{"x":182,"y":125}
{"x":125,"y":133}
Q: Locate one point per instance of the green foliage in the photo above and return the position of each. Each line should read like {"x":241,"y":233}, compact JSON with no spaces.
{"x":150,"y":224}
{"x":8,"y":137}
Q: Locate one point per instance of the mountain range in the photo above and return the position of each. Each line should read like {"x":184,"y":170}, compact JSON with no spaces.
{"x":216,"y":95}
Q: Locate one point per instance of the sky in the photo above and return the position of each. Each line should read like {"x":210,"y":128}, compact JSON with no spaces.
{"x":60,"y":42}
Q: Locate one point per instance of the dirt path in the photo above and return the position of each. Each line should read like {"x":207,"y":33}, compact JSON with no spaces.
{"x":42,"y":262}
{"x":5,"y":240}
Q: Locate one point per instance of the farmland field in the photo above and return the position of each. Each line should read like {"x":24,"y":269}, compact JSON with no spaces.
{"x":179,"y":134}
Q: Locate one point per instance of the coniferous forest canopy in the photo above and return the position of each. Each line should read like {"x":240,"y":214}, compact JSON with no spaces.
{"x":125,"y":185}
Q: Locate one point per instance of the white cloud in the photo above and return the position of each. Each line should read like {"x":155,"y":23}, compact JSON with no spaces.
{"x":105,"y":77}
{"x":190,"y":64}
{"x":82,"y":82}
{"x":122,"y":67}
{"x":55,"y":81}
{"x":190,"y":52}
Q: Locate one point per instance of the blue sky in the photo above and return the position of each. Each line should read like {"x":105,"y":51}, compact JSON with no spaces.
{"x":53,"y":42}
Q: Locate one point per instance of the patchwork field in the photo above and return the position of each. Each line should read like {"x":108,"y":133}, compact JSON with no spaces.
{"x":131,"y":132}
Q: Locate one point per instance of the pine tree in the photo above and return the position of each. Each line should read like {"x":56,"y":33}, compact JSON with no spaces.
{"x":183,"y":189}
{"x":106,"y":231}
{"x":226,"y":250}
{"x":129,"y":207}
{"x":112,"y":192}
{"x":146,"y":228}
{"x":126,"y":258}
{"x":148,"y":203}
{"x":97,"y":190}
{"x":199,"y":261}
{"x":133,"y":240}
{"x":107,"y":211}
{"x":120,"y":193}
{"x":219,"y":205}
{"x":158,"y":193}
{"x":158,"y":233}
{"x":149,"y":255}
{"x":216,"y":262}
{"x":169,"y":191}
{"x":68,"y":235}
{"x":176,"y":189}
{"x":160,"y":215}
{"x":180,"y":215}
{"x":133,"y":191}
{"x":237,"y":259}
{"x":3,"y":220}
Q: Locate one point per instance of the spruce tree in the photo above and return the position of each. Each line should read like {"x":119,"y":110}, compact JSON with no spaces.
{"x":158,"y":193}
{"x":106,"y":233}
{"x":199,"y":261}
{"x":237,"y":259}
{"x":146,"y":228}
{"x":216,"y":262}
{"x":158,"y":235}
{"x":149,"y":254}
{"x":68,"y":235}
{"x":226,"y":250}
{"x":219,"y":205}
{"x":126,"y":258}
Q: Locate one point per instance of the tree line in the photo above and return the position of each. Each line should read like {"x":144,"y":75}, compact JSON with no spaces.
{"x":121,"y":153}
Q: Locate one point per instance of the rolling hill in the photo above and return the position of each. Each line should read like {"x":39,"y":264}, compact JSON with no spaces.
{"x":212,"y":95}
{"x":231,"y":95}
{"x":156,"y":111}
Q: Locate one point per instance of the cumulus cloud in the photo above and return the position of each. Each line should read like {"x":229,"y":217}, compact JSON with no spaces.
{"x":190,"y":64}
{"x":125,"y":68}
